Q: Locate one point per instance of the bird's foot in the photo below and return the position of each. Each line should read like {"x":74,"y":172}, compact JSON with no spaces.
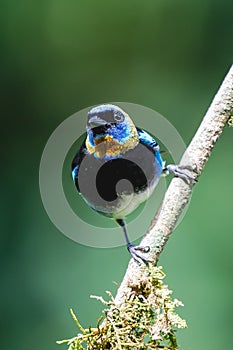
{"x":136,"y":253}
{"x":187,"y":173}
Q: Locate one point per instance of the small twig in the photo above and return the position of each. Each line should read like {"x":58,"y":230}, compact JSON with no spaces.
{"x":77,"y":322}
{"x":179,"y":192}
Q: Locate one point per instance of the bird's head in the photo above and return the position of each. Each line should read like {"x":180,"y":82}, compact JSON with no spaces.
{"x":110,"y":131}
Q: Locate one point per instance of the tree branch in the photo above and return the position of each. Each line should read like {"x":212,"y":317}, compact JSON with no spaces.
{"x":179,"y":192}
{"x":142,"y":315}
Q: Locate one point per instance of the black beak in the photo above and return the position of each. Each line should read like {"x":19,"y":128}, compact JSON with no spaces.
{"x":95,"y":121}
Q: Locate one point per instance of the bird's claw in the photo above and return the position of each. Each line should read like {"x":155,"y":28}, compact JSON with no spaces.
{"x":181,"y":172}
{"x":136,"y":251}
{"x":142,"y":249}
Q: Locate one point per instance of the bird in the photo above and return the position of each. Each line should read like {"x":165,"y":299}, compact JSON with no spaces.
{"x":118,"y":166}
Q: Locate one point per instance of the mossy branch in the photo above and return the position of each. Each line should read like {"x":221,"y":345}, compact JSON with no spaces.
{"x":146,"y":320}
{"x":142,"y":315}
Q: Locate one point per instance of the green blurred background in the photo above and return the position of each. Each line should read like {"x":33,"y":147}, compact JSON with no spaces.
{"x":58,"y":57}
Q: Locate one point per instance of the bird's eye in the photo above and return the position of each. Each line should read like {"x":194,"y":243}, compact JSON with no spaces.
{"x":119,"y":118}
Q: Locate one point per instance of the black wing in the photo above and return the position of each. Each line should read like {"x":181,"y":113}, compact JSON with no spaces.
{"x":76,"y":163}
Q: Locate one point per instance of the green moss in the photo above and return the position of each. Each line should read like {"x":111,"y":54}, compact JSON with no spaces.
{"x":146,"y":320}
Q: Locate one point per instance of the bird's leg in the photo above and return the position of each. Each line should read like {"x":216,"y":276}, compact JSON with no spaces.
{"x":135,"y":251}
{"x":184,"y":172}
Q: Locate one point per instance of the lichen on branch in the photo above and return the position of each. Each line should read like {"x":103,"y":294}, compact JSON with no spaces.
{"x":146,"y":320}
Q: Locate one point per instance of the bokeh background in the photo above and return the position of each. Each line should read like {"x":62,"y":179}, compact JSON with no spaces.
{"x":58,"y":57}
